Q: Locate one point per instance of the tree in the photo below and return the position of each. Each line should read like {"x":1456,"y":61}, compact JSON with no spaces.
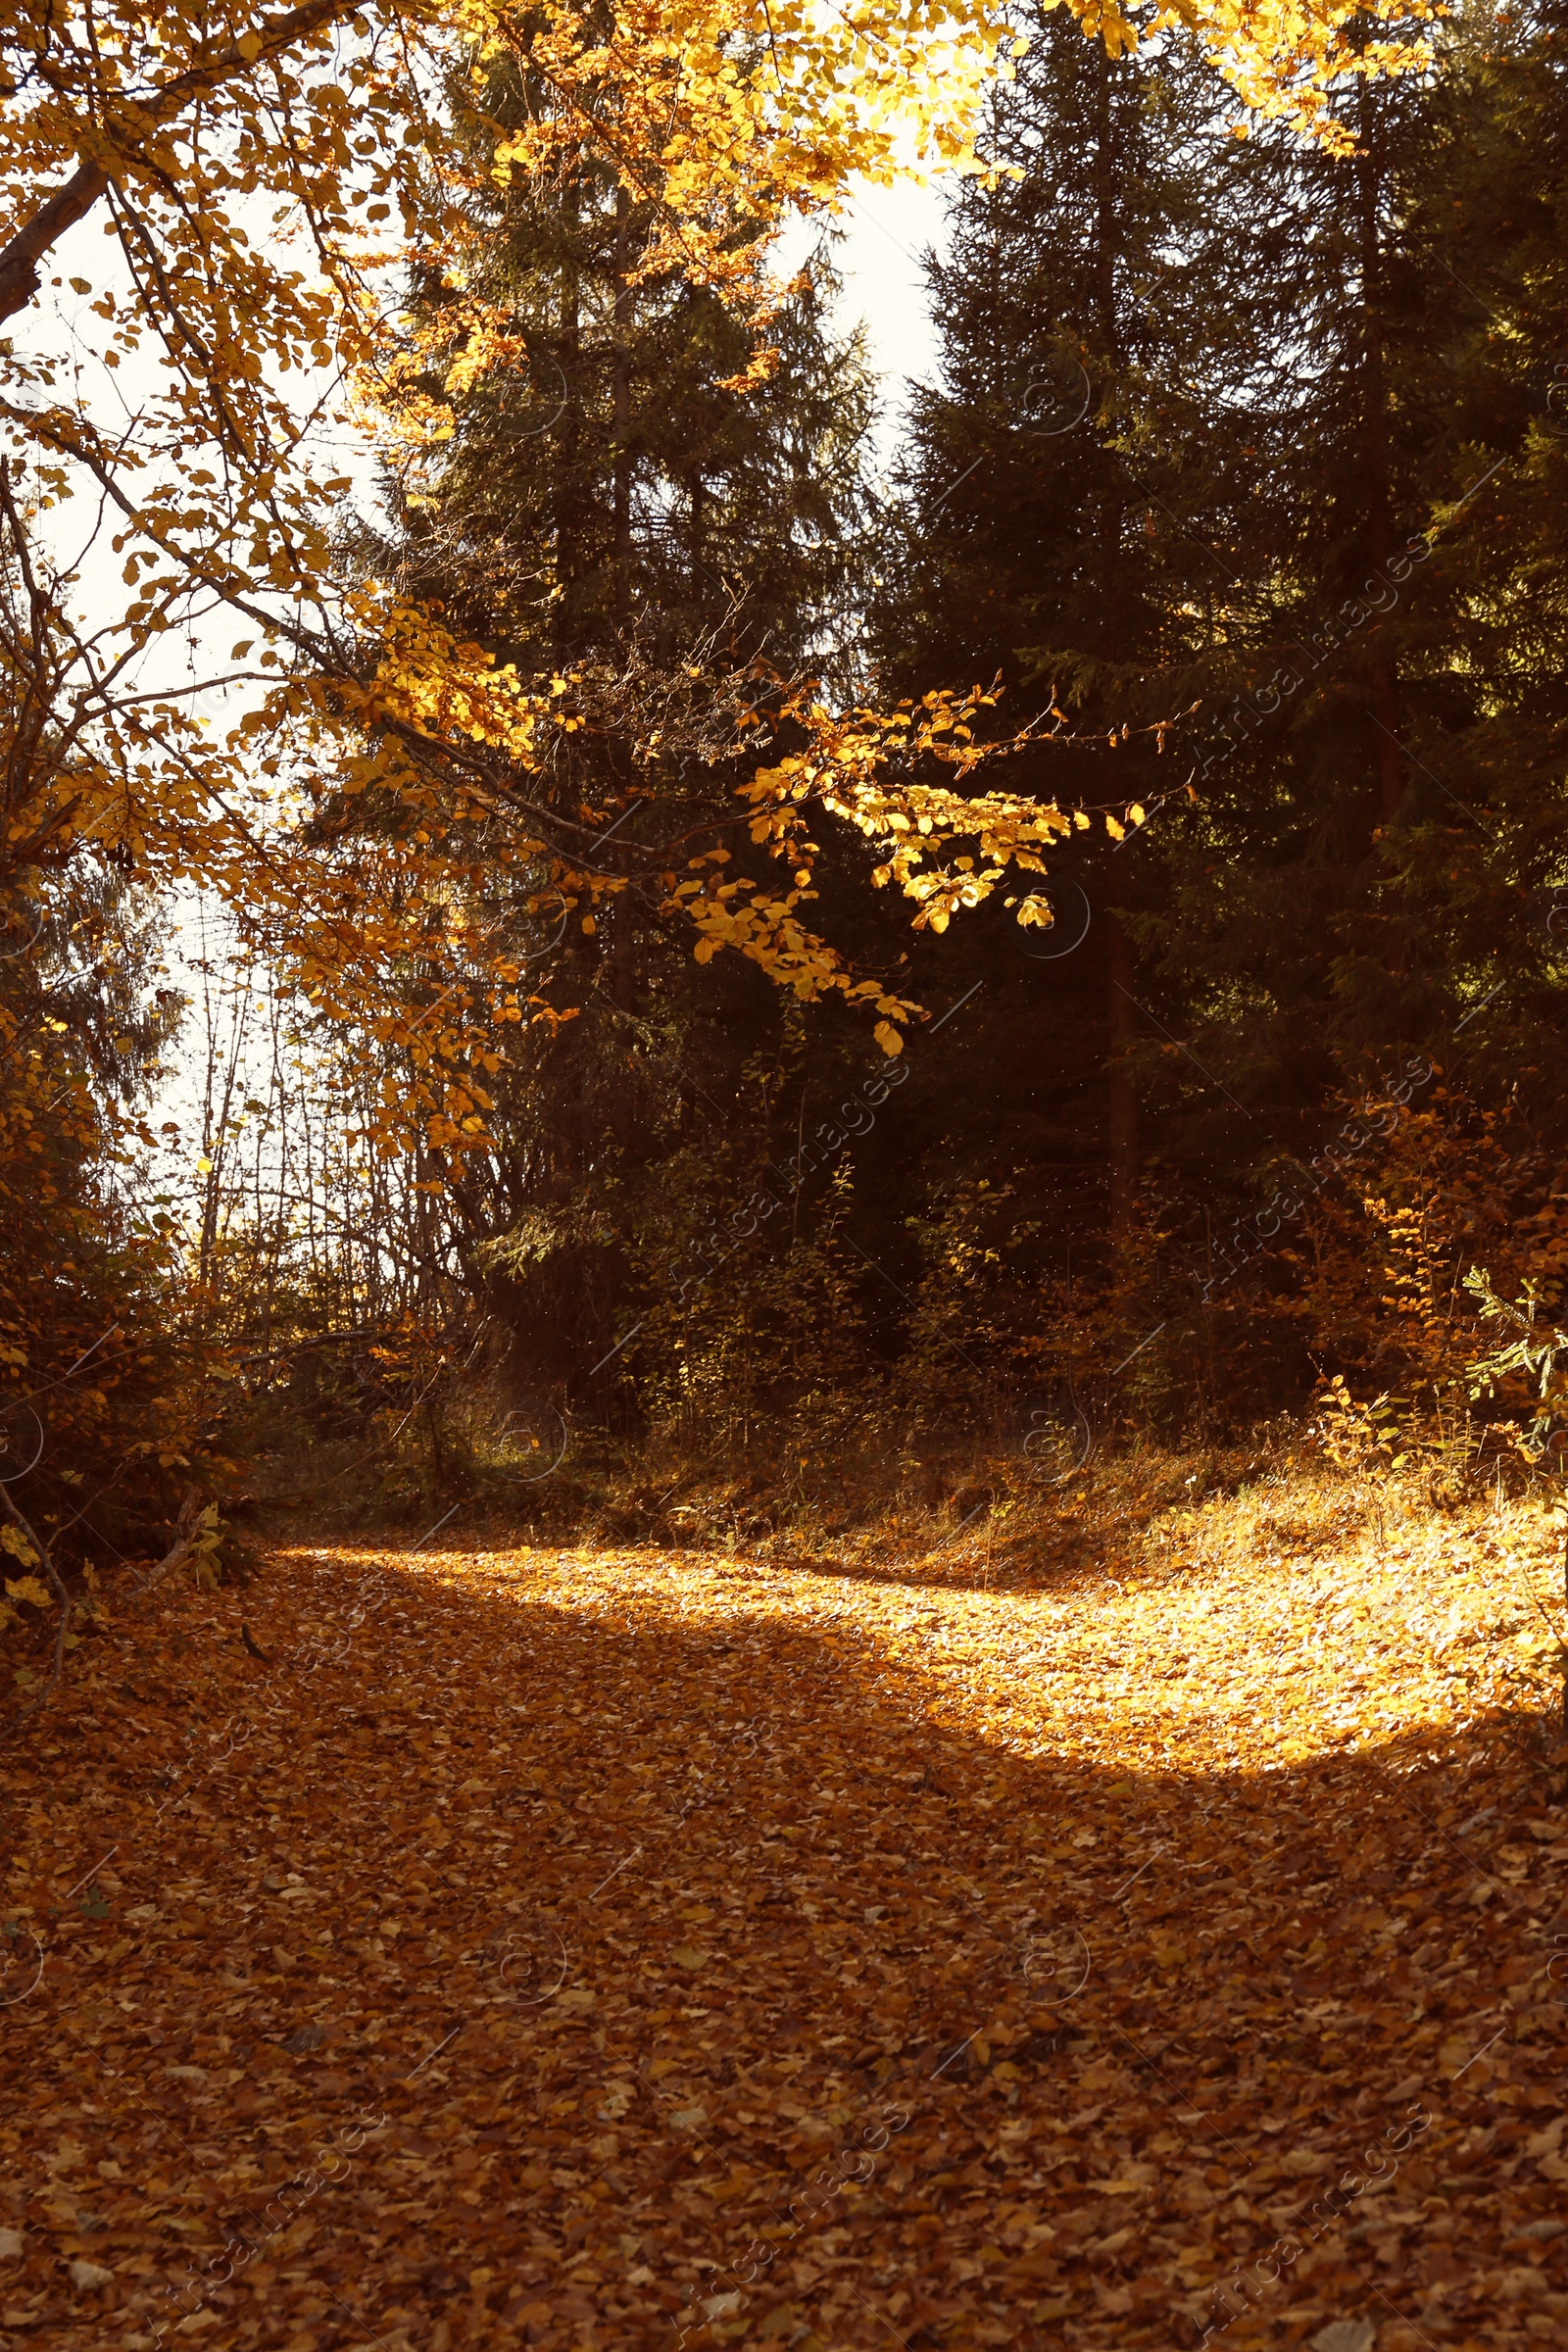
{"x":180,"y":125}
{"x":262,"y":179}
{"x":1382,"y":861}
{"x":636,"y":477}
{"x":655,"y":516}
{"x":1110,"y":315}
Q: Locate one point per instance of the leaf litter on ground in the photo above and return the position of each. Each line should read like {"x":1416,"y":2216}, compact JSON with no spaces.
{"x":595,"y":1947}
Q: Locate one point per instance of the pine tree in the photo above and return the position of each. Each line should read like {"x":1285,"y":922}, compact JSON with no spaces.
{"x":1366,"y":874}
{"x":1483,"y":821}
{"x":1308,"y":491}
{"x":621,"y":479}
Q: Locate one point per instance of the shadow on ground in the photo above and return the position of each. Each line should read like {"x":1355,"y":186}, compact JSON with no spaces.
{"x":521,"y":1963}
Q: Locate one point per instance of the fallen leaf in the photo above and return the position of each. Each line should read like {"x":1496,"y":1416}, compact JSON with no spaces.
{"x":1344,"y":2336}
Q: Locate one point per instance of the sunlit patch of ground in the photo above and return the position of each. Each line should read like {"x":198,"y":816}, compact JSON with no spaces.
{"x":616,"y":1949}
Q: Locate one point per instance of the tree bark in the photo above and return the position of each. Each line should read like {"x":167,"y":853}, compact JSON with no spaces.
{"x":567,"y":488}
{"x":1111,"y":504}
{"x":1122,"y":1102}
{"x":622,"y":409}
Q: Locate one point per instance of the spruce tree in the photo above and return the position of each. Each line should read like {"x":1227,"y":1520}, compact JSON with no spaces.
{"x":1381,"y":804}
{"x":616,"y":481}
{"x":1081,"y":490}
{"x":623,"y":511}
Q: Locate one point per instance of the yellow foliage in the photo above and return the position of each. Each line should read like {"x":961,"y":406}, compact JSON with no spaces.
{"x":724,"y":115}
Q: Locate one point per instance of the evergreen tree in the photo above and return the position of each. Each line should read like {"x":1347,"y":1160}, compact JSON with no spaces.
{"x":630,"y":511}
{"x":1250,"y":437}
{"x":1314,"y":489}
{"x":1082,"y":494}
{"x":1382,"y":804}
{"x":625,"y":479}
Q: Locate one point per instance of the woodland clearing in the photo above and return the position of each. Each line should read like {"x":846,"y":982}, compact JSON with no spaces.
{"x":1118,"y":1943}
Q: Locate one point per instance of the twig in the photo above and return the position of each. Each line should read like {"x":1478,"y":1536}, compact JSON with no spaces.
{"x":47,"y":1562}
{"x":184,"y":1544}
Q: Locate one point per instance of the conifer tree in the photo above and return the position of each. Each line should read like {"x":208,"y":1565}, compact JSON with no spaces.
{"x":1381,"y":804}
{"x":626,"y":507}
{"x":1081,"y":495}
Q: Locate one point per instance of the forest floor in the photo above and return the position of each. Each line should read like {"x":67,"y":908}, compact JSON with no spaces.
{"x":594,"y":1949}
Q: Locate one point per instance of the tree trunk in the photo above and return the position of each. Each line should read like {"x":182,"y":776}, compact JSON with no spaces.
{"x":1122,"y":1104}
{"x":567,"y":519}
{"x":1123,"y":1100}
{"x":1376,"y":486}
{"x":1111,"y":504}
{"x":622,"y":398}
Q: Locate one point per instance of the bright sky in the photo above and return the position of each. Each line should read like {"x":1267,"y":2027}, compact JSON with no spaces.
{"x":884,"y":235}
{"x":887,"y":233}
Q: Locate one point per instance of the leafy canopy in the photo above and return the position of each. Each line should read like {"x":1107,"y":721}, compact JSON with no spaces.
{"x":267,"y":181}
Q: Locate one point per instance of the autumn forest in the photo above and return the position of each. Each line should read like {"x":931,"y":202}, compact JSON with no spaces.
{"x":783,"y":1205}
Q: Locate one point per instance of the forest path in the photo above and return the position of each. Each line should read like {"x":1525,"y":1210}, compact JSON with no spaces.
{"x":588,"y":1948}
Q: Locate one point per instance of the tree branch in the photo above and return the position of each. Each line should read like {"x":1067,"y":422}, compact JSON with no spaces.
{"x":21,"y":256}
{"x":46,"y":1563}
{"x":188,"y":1537}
